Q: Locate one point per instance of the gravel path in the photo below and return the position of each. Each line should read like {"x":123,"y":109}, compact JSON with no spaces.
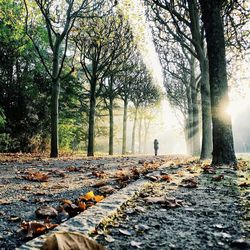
{"x":208,"y":216}
{"x":67,"y":179}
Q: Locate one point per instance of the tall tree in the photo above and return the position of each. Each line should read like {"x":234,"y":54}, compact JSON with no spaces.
{"x":100,"y":42}
{"x":223,"y":145}
{"x":59,"y":19}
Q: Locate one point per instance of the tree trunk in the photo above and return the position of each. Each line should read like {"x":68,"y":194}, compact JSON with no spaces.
{"x":124,"y":129}
{"x":195,"y":135}
{"x":223,"y":146}
{"x":55,"y":92}
{"x":91,"y":131}
{"x":189,"y":124}
{"x":140,"y":135}
{"x":133,"y":132}
{"x":111,"y":127}
{"x":206,"y":147}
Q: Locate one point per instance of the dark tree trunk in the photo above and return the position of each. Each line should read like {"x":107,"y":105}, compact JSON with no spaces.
{"x":206,"y":147}
{"x":55,"y":92}
{"x":133,"y":132}
{"x":111,"y":127}
{"x":124,"y":129}
{"x":91,"y":132}
{"x":223,"y":146}
{"x":54,"y":117}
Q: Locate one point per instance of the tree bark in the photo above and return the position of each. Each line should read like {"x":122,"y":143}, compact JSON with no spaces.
{"x":111,"y":127}
{"x":140,"y":135}
{"x":133,"y":132}
{"x":206,"y":147}
{"x":91,"y":131}
{"x":124,"y":129}
{"x":223,"y":146}
{"x":55,"y":92}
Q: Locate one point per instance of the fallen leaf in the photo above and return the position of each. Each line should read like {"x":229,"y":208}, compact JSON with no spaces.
{"x":244,"y":184}
{"x":173,"y":203}
{"x":76,"y":241}
{"x":99,"y":184}
{"x":72,"y":169}
{"x":218,"y":178}
{"x":46,"y":211}
{"x":125,"y":232}
{"x":34,"y":228}
{"x":88,"y":196}
{"x":98,"y":198}
{"x":189,"y":183}
{"x":4,"y":202}
{"x":36,"y":176}
{"x":109,"y":239}
{"x":99,"y":174}
{"x":155,"y":200}
{"x":207,"y":169}
{"x":107,"y":190}
{"x":135,"y":244}
{"x":166,"y":178}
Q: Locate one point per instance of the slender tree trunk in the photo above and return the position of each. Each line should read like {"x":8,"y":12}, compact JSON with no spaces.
{"x":223,"y":146}
{"x":195,"y":135}
{"x":55,"y":92}
{"x":91,"y":132}
{"x":206,"y":147}
{"x":133,"y":132}
{"x":124,"y":129}
{"x":140,"y":135}
{"x":189,"y":124}
{"x":111,"y":127}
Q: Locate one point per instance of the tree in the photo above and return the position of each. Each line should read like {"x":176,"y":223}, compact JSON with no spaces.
{"x":181,"y":20}
{"x":144,"y":94}
{"x":59,"y":19}
{"x":100,"y":43}
{"x":223,"y":146}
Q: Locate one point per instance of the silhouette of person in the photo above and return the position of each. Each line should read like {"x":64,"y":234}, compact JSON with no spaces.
{"x":156,"y":146}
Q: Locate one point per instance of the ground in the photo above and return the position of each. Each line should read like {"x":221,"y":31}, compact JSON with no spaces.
{"x":185,"y":205}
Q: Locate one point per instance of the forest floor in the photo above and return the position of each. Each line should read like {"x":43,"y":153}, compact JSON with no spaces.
{"x":188,"y":205}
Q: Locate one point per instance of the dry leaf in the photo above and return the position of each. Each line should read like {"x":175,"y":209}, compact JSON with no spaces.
{"x":107,"y":190}
{"x":36,"y":176}
{"x":88,"y":196}
{"x":99,"y":184}
{"x":244,"y":184}
{"x":72,"y":169}
{"x":99,"y":174}
{"x":70,"y":240}
{"x":207,"y":169}
{"x":34,"y":228}
{"x":218,"y":178}
{"x":154,"y":200}
{"x":46,"y":211}
{"x":4,"y":202}
{"x":189,"y":183}
{"x":125,"y":232}
{"x":166,"y":178}
{"x":135,"y":244}
{"x":98,"y":198}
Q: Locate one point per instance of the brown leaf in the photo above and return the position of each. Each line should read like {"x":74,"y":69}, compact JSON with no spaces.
{"x":166,"y":178}
{"x":155,"y":200}
{"x":72,"y":169}
{"x":76,"y":241}
{"x":207,"y":169}
{"x":36,"y":176}
{"x":99,"y":174}
{"x":4,"y":202}
{"x":107,"y":190}
{"x":218,"y":178}
{"x":244,"y":184}
{"x":189,"y":183}
{"x":99,"y":184}
{"x":46,"y":211}
{"x":34,"y":228}
{"x":173,"y":202}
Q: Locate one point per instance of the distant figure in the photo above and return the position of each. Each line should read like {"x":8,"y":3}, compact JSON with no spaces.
{"x":156,"y":146}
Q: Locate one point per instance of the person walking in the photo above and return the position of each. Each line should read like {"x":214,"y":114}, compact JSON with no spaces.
{"x":156,"y":146}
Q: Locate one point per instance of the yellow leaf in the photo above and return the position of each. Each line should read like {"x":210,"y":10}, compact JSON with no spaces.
{"x":99,"y":198}
{"x":88,"y":196}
